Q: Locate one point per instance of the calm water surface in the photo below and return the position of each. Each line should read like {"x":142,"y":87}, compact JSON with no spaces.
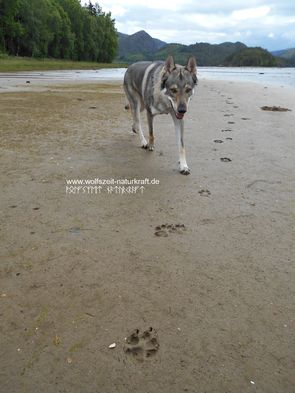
{"x":274,"y":76}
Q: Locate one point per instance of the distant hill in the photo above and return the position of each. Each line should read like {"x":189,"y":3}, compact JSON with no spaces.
{"x":254,"y":57}
{"x":206,"y":54}
{"x":137,"y":46}
{"x":287,"y":54}
{"x":141,"y":46}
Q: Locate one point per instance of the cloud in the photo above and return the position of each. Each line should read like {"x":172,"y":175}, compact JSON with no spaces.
{"x":270,"y":25}
{"x":250,"y":13}
{"x":118,"y":10}
{"x":150,"y":4}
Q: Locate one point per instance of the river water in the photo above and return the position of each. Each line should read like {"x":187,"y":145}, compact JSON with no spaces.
{"x":268,"y":76}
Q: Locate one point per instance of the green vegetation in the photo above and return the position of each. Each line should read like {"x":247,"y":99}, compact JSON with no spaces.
{"x":141,"y":46}
{"x":11,"y":64}
{"x":254,"y":57}
{"x":289,"y":54}
{"x":286,"y":55}
{"x":206,"y":54}
{"x":60,"y":29}
{"x":136,"y":47}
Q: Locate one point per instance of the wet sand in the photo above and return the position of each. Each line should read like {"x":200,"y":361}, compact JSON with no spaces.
{"x":206,"y":260}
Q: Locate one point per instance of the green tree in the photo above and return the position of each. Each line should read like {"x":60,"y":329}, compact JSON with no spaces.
{"x":57,"y":28}
{"x":10,"y":28}
{"x":76,"y":16}
{"x":109,"y":38}
{"x":94,"y":10}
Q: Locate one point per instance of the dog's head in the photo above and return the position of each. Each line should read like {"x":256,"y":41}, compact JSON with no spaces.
{"x":178,"y":84}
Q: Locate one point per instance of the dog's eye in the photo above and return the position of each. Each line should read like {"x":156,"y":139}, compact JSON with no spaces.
{"x":173,"y":90}
{"x":188,"y":90}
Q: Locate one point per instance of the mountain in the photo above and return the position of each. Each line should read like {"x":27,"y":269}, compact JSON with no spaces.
{"x":287,"y":54}
{"x":206,"y":54}
{"x":141,"y":46}
{"x":137,"y":46}
{"x":254,"y":57}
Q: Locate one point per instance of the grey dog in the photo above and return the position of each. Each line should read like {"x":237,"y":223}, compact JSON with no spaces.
{"x":161,"y":87}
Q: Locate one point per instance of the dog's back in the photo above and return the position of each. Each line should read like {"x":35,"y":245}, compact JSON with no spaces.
{"x":135,"y":74}
{"x":138,"y":78}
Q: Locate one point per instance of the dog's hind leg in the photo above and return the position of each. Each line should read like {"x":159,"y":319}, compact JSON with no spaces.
{"x":179,"y":130}
{"x":130,"y":103}
{"x":136,"y":106}
{"x":150,"y":119}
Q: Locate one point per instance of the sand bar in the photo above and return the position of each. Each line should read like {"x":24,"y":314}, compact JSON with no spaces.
{"x":81,"y":271}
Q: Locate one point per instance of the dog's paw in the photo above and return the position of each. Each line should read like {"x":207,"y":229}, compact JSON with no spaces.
{"x":151,"y":147}
{"x":185,"y":170}
{"x":144,"y":144}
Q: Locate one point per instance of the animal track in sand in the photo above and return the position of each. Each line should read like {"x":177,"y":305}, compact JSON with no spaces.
{"x":226,"y":130}
{"x":205,"y":193}
{"x":225,"y":159}
{"x":230,"y":122}
{"x":164,"y":229}
{"x":142,"y":345}
{"x":275,"y":108}
{"x":218,"y":141}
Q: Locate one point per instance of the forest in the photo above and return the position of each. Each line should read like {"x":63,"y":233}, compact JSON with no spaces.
{"x":62,"y":29}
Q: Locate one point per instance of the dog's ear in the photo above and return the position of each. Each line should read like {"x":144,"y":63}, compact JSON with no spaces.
{"x":191,"y":67}
{"x":169,"y":64}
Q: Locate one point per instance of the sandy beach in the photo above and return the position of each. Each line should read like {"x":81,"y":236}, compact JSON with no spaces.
{"x":206,"y":260}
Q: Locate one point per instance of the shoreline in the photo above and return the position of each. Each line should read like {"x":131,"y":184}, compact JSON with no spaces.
{"x":27,"y":81}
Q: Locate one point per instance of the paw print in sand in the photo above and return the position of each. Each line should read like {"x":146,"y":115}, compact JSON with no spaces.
{"x":164,"y":229}
{"x":142,"y":345}
{"x":205,"y":193}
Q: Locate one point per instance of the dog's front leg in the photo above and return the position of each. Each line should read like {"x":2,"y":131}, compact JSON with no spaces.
{"x":137,"y":126}
{"x":179,"y":130}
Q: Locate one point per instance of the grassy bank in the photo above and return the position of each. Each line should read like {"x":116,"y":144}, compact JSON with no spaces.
{"x":11,"y":64}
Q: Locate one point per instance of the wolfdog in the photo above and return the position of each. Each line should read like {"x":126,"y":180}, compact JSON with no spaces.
{"x":161,"y":87}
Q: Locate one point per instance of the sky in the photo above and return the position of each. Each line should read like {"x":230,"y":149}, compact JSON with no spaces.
{"x":270,"y":25}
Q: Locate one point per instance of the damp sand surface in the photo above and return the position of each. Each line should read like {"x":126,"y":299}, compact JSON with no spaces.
{"x":196,"y":272}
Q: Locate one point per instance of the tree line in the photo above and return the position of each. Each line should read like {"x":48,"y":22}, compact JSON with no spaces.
{"x":57,"y":28}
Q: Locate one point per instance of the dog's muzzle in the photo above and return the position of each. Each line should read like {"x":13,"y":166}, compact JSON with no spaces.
{"x":179,"y":115}
{"x":181,"y":110}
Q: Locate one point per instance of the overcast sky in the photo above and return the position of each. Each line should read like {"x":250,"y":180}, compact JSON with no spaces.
{"x":253,"y":22}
